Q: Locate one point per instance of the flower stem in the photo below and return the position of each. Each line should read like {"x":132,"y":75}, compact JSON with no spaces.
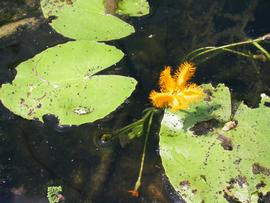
{"x":116,"y":134}
{"x":138,"y":182}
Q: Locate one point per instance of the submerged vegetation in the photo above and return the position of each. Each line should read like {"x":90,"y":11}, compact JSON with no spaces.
{"x":54,"y":194}
{"x":205,"y":52}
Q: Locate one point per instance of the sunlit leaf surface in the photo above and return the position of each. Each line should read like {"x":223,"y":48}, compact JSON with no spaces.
{"x":88,"y":20}
{"x":205,"y":163}
{"x":61,"y":81}
{"x":133,"y":7}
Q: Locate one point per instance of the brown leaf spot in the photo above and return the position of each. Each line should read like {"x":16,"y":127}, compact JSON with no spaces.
{"x":42,"y":97}
{"x":203,"y":177}
{"x":202,"y":128}
{"x":260,"y":185}
{"x":208,"y":94}
{"x":257,"y":169}
{"x":241,"y":180}
{"x":111,"y":6}
{"x":184,"y":184}
{"x":69,"y":2}
{"x":22,"y":101}
{"x":228,"y":190}
{"x":31,"y":112}
{"x":226,"y":142}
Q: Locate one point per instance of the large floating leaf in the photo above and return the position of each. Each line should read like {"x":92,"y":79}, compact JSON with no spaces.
{"x":84,"y":19}
{"x":60,"y":81}
{"x":133,"y":7}
{"x":219,"y":107}
{"x":207,"y":164}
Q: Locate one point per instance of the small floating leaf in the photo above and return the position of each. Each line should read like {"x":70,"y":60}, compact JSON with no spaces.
{"x":84,"y":20}
{"x":133,"y":7}
{"x":54,"y":194}
{"x":217,"y":165}
{"x":61,"y":81}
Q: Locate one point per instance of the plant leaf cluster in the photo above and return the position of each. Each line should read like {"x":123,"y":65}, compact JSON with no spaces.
{"x":62,"y":79}
{"x":53,"y":193}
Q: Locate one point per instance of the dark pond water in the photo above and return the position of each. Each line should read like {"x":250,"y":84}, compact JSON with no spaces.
{"x":34,"y":155}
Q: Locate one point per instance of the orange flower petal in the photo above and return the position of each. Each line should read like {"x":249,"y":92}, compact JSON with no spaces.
{"x":160,"y":100}
{"x":176,"y":93}
{"x":184,"y":73}
{"x":179,"y":103}
{"x":134,"y":193}
{"x":192,"y":93}
{"x":166,"y":81}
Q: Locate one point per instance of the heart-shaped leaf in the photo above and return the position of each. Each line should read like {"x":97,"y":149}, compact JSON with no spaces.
{"x":60,"y":81}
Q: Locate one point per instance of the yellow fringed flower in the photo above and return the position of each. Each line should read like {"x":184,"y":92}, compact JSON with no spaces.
{"x":175,"y":91}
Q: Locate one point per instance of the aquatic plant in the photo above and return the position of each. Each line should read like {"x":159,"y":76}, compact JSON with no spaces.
{"x":134,"y":130}
{"x":61,"y":80}
{"x":216,"y":151}
{"x":205,"y":53}
{"x":90,"y":19}
{"x":176,"y":92}
{"x":54,"y":194}
{"x":209,"y":152}
{"x":213,"y":154}
{"x":202,"y":144}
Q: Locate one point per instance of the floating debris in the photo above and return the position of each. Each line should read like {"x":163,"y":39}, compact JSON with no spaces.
{"x":229,"y":125}
{"x":83,"y":110}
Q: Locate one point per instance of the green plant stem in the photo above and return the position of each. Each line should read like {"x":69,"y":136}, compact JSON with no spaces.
{"x":138,"y":182}
{"x":132,"y":125}
{"x":206,"y":50}
{"x":224,"y":47}
{"x":263,"y":50}
{"x":196,"y":51}
{"x":238,"y":53}
{"x":129,"y":127}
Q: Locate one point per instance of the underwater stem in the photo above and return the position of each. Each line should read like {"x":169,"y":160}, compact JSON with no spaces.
{"x":263,"y":50}
{"x":206,"y":50}
{"x":138,"y":182}
{"x":238,"y":53}
{"x":129,"y":127}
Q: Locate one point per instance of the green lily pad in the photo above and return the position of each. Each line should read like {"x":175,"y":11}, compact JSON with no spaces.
{"x":84,"y":20}
{"x":206,"y":163}
{"x":60,"y":81}
{"x":133,"y":7}
{"x":217,"y":105}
